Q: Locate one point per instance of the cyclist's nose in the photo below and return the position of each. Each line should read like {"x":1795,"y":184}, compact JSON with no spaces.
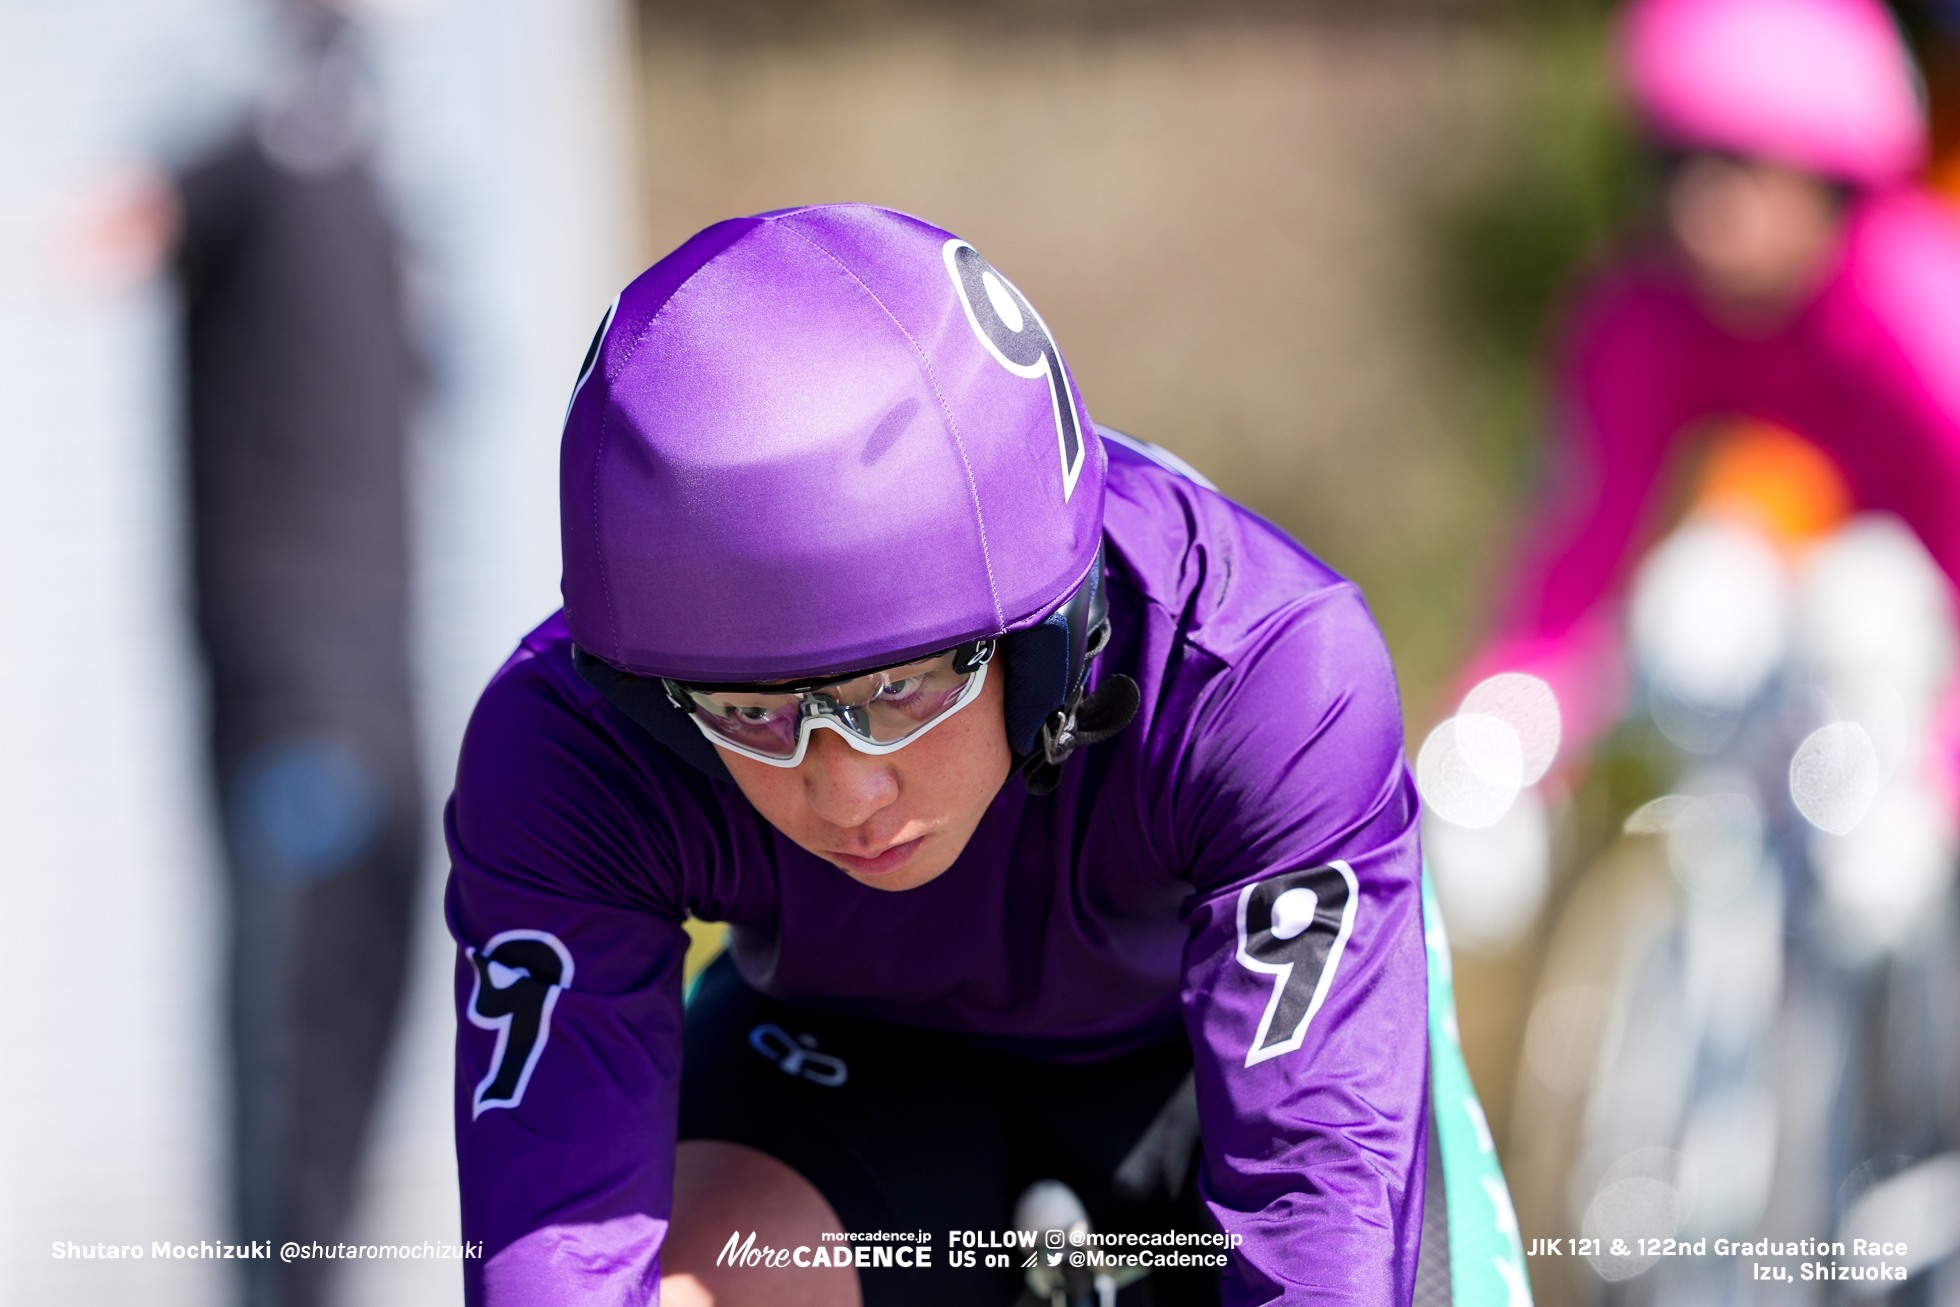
{"x":844,"y":787}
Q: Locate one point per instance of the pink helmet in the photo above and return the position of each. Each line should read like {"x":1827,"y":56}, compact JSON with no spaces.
{"x":1824,"y":85}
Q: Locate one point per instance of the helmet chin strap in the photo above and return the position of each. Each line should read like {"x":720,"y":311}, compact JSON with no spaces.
{"x":1083,"y":720}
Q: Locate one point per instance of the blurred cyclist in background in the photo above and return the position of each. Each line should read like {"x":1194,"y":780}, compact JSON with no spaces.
{"x":1802,"y":279}
{"x":1794,"y":321}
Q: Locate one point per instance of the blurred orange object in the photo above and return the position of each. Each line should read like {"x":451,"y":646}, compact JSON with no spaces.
{"x":116,"y":228}
{"x":1944,"y":175}
{"x":1774,"y":480}
{"x":1941,"y":62}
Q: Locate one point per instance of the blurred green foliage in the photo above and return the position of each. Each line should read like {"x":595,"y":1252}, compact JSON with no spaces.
{"x":804,"y":20}
{"x":1564,"y":175}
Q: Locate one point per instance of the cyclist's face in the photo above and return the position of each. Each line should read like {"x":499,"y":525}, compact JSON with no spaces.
{"x":1756,"y":235}
{"x":892,"y":821}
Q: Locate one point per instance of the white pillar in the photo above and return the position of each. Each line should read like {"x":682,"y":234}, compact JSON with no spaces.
{"x":506,"y":151}
{"x":111,"y":1098}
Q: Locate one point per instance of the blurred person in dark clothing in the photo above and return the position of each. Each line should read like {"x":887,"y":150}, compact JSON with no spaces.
{"x":301,"y":376}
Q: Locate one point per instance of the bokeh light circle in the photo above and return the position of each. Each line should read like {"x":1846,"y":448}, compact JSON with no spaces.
{"x":1470,"y":769}
{"x":1527,"y":705}
{"x":1834,"y":777}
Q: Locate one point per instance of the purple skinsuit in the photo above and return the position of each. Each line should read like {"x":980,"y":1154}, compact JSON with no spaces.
{"x":1074,"y":926}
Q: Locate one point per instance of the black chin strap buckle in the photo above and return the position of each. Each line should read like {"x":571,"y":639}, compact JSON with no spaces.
{"x":1093,"y":718}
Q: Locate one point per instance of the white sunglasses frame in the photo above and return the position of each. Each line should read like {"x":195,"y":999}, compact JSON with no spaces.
{"x":809,"y":722}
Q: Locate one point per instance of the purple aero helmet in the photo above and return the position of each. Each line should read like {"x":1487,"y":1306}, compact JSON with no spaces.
{"x":1824,"y":85}
{"x":818,"y":440}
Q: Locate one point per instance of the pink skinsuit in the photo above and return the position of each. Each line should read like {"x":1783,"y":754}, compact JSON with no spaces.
{"x":1869,"y":369}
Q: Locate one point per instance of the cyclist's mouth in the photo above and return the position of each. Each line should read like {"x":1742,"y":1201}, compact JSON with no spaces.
{"x":890,"y":860}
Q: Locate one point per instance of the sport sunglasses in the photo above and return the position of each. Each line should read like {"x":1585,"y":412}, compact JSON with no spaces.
{"x":876,"y":712}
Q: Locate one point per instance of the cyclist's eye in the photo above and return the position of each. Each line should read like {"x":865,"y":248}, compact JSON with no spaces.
{"x":906,"y":688}
{"x":746,"y":715}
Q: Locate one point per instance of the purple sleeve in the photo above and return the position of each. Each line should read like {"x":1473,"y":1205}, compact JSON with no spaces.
{"x":1304,"y":989}
{"x":568,"y":994}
